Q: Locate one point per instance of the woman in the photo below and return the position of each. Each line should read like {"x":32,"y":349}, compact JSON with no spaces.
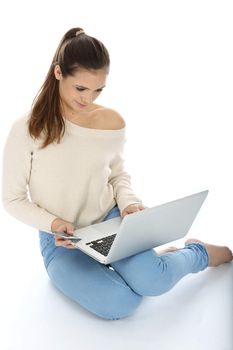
{"x":68,"y":151}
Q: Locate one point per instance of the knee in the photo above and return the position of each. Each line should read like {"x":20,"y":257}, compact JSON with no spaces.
{"x":156,"y":283}
{"x":146,"y":273}
{"x":120,"y":305}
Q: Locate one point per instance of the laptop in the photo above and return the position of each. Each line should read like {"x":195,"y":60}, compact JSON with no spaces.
{"x":119,"y":238}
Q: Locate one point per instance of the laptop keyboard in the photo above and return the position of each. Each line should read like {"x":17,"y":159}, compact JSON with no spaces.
{"x":102,"y":245}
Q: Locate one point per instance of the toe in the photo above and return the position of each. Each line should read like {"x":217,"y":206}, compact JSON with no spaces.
{"x":192,"y":240}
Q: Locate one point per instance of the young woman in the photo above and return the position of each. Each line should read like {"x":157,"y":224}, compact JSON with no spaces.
{"x":67,"y":151}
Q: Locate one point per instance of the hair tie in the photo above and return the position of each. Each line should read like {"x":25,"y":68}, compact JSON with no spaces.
{"x":79,"y":32}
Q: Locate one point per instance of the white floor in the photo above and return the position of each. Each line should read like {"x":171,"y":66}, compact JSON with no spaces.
{"x":196,"y":314}
{"x":179,"y":142}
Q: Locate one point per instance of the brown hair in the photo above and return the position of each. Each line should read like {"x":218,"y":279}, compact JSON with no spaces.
{"x":74,"y":52}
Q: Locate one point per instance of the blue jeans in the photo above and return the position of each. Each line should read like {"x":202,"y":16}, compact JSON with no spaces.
{"x":115,"y":291}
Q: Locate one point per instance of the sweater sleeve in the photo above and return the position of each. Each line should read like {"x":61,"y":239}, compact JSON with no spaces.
{"x":17,"y":160}
{"x":121,"y":182}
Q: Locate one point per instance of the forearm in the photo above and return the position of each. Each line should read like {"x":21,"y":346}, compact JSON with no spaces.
{"x":29,"y":213}
{"x":122,"y":190}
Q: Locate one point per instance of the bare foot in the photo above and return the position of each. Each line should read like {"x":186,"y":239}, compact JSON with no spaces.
{"x":167,"y":250}
{"x":217,"y":254}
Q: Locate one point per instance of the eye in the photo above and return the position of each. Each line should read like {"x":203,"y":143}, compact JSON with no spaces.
{"x":83,"y":89}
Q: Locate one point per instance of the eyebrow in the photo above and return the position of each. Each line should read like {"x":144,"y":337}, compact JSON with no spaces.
{"x":84,"y":87}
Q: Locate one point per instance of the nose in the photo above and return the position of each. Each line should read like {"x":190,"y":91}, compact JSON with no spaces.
{"x":87,"y":99}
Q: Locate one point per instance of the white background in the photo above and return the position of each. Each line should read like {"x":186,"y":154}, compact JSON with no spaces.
{"x":171,"y":78}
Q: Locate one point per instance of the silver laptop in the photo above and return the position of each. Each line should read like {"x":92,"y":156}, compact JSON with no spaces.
{"x":119,"y":238}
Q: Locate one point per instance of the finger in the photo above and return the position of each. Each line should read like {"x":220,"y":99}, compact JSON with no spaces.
{"x":66,"y":227}
{"x":67,"y":243}
{"x":65,"y":230}
{"x":60,"y":242}
{"x":70,"y":230}
{"x":57,"y":242}
{"x":61,"y":228}
{"x":133,"y":210}
{"x":70,"y":245}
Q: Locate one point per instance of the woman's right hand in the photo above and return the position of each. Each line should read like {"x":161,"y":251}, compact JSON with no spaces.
{"x":59,"y":225}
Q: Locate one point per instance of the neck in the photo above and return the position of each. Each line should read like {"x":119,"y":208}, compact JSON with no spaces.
{"x":74,"y":114}
{"x":83,"y":116}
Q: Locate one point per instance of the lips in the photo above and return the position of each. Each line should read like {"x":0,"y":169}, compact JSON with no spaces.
{"x":81,"y":105}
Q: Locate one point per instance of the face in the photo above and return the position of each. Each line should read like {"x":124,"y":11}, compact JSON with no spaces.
{"x":78,"y":92}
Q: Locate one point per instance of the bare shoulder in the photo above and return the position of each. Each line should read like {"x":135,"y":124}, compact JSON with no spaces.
{"x":111,"y":119}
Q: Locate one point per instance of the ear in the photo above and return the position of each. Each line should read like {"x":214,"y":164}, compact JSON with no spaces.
{"x":57,"y":72}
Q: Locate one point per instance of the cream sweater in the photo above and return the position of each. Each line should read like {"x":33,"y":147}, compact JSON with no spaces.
{"x":78,"y":180}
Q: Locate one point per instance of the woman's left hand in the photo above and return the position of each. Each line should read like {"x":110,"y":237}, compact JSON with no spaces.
{"x":132,"y":208}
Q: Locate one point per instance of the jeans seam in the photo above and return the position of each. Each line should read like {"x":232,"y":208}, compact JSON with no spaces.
{"x":113,"y":280}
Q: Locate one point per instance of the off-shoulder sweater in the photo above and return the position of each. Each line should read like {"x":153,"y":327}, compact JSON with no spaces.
{"x":78,"y":180}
